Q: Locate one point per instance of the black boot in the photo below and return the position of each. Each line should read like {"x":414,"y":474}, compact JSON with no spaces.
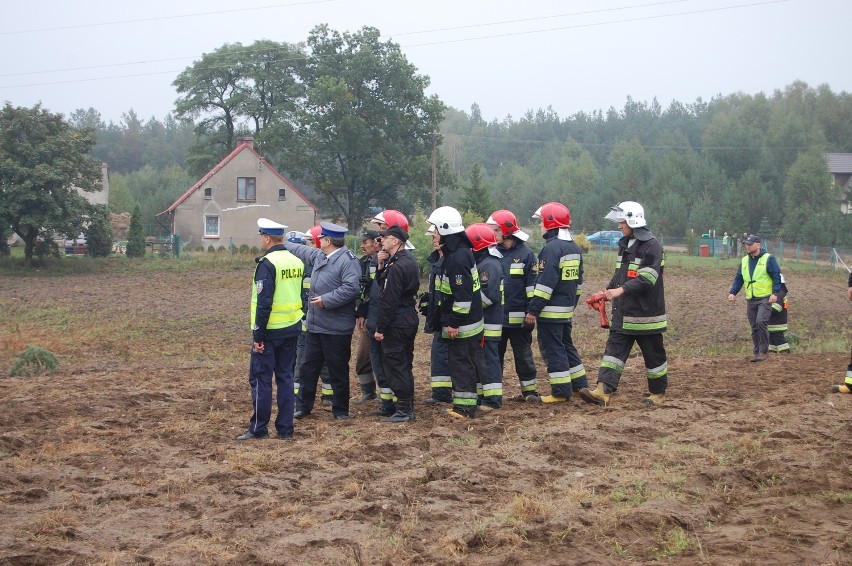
{"x":404,"y":412}
{"x":386,"y":409}
{"x":368,"y":391}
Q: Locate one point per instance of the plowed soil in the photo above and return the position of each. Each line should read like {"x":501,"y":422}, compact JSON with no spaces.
{"x":127,"y":453}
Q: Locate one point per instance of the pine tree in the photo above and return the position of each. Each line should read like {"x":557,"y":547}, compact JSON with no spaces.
{"x":136,"y":239}
{"x":99,"y":233}
{"x":476,"y":197}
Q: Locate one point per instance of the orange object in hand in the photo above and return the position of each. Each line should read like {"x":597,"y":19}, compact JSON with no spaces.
{"x":597,"y":302}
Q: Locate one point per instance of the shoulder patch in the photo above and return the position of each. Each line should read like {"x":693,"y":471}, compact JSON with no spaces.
{"x":259,"y":285}
{"x":459,"y":280}
{"x":541,"y":264}
{"x":351,"y":255}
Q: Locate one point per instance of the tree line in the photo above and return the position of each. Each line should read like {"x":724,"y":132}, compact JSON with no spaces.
{"x":346,"y":117}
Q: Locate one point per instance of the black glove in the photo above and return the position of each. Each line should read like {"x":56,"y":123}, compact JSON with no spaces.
{"x":423,"y":304}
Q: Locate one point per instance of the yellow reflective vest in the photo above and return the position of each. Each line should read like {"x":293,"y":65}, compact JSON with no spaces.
{"x":758,"y":284}
{"x":287,"y":298}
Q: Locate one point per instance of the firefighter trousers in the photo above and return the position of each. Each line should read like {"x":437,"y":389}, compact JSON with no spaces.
{"x":618,"y":347}
{"x":521,"y":340}
{"x":564,"y":367}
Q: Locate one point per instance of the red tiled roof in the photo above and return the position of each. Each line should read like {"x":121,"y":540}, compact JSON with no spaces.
{"x":240,"y":147}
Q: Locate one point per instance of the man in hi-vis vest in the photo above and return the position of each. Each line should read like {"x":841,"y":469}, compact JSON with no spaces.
{"x":276,"y":316}
{"x":760,"y":275}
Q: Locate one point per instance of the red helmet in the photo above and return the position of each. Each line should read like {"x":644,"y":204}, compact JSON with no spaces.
{"x":315,"y":232}
{"x":392,"y":218}
{"x":554,"y":215}
{"x":481,"y":235}
{"x":506,"y":220}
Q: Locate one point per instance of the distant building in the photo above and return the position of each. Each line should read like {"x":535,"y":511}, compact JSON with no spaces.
{"x":840,"y":167}
{"x":101,"y":196}
{"x":222,"y":208}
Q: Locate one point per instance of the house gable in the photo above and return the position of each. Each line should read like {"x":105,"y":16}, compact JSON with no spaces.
{"x":222,"y":208}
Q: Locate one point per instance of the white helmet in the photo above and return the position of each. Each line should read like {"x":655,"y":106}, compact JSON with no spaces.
{"x":447,"y":220}
{"x":629,"y":211}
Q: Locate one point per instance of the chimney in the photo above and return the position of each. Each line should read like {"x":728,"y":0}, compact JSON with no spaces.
{"x":248,"y":140}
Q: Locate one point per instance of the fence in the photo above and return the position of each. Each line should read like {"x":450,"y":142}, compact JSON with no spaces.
{"x":783,"y":251}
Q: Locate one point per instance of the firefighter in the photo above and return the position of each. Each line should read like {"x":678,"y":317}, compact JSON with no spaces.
{"x":638,"y":308}
{"x":760,"y":275}
{"x":363,"y":364}
{"x":847,"y":384}
{"x":370,"y":311}
{"x":488,"y":369}
{"x":441,"y":384}
{"x":519,"y":272}
{"x":276,"y":310}
{"x":396,"y":323}
{"x":557,"y":288}
{"x":460,"y":312}
{"x":778,"y":322}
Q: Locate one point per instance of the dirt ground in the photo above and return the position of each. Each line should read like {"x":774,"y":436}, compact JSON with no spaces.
{"x":127,"y":453}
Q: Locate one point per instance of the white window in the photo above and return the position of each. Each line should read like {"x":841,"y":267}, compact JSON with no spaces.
{"x":211,"y":226}
{"x":245,"y":188}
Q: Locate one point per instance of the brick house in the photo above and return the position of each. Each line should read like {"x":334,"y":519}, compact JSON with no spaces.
{"x":222,"y":208}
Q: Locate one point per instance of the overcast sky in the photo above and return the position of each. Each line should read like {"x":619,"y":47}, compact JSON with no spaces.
{"x":507,"y":56}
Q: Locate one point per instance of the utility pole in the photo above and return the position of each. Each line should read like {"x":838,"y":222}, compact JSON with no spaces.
{"x":434,"y":170}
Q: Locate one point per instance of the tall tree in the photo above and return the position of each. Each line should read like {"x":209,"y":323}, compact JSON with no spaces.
{"x":365,"y":126}
{"x":43,"y":161}
{"x":476,"y":196}
{"x":136,"y":237}
{"x":808,"y":195}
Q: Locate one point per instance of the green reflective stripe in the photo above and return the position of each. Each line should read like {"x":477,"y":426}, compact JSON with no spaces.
{"x":530,"y":292}
{"x":657,"y":372}
{"x":644,"y":322}
{"x":644,"y":326}
{"x":492,"y":389}
{"x":439,"y":381}
{"x":559,"y":377}
{"x":577,"y":371}
{"x":446,"y":288}
{"x":649,"y":274}
{"x":555,"y":312}
{"x":326,"y":390}
{"x":528,"y":385}
{"x":848,"y":380}
{"x":516,"y":317}
{"x":296,"y":387}
{"x":777,"y":307}
{"x":777,"y":328}
{"x":462,"y":307}
{"x":632,"y":266}
{"x":612,"y":362}
{"x":465,"y":399}
{"x":542,"y":291}
{"x":493,"y":330}
{"x":465,"y":330}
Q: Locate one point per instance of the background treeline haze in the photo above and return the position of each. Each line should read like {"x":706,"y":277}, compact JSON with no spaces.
{"x":736,"y":163}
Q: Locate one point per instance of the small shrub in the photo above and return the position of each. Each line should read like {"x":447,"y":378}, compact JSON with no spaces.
{"x":46,"y":248}
{"x":244,"y":249}
{"x":211,"y":249}
{"x":33,"y":361}
{"x":255,"y":250}
{"x":221,"y":249}
{"x":199,"y":249}
{"x":582,"y":243}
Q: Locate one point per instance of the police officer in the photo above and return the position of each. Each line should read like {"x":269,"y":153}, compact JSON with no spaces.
{"x":638,"y":308}
{"x":760,"y":275}
{"x":460,"y":312}
{"x":335,"y":285}
{"x":396,"y":321}
{"x":276,"y":312}
{"x":557,"y":287}
{"x":519,"y":273}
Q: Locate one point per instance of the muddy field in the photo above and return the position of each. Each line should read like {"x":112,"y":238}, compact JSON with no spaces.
{"x":127,"y":453}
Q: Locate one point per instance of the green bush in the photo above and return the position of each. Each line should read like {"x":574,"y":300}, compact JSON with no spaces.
{"x":136,"y":238}
{"x":244,"y":249}
{"x":199,"y":249}
{"x":255,"y":250}
{"x":33,"y":361}
{"x":211,"y":249}
{"x":221,"y":249}
{"x":46,"y":248}
{"x":691,"y":242}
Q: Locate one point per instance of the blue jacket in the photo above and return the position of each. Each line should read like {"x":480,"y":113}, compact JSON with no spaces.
{"x":336,"y":279}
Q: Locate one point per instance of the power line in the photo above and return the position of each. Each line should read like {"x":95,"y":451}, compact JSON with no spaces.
{"x":248,"y":50}
{"x":442,"y":42}
{"x":161,"y":18}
